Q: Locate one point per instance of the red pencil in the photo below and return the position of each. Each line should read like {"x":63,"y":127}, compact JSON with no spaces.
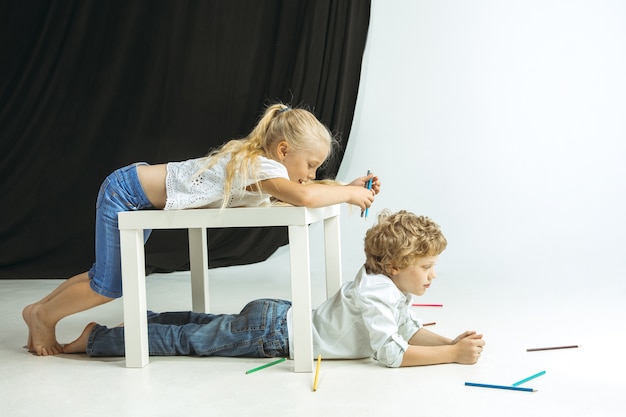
{"x":427,"y":305}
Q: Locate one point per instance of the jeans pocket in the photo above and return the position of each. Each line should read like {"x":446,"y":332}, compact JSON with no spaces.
{"x":252,"y":317}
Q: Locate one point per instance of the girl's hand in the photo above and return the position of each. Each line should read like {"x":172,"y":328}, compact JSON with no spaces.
{"x":361,"y":181}
{"x":360,"y":196}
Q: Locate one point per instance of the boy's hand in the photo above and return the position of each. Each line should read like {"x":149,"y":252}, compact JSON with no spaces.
{"x":463,"y":336}
{"x":469,"y":346}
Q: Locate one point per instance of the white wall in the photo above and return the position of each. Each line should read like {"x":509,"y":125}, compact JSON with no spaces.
{"x":505,"y":122}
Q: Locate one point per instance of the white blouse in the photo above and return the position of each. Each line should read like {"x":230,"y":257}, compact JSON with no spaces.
{"x":187,"y":189}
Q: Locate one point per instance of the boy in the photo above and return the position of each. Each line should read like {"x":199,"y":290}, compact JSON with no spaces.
{"x":368,"y":317}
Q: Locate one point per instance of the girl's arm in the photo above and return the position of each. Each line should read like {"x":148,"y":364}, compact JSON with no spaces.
{"x":318,"y":195}
{"x":428,"y":348}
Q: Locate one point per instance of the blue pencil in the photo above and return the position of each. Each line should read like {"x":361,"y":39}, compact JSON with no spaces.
{"x":529,"y":378}
{"x":474,"y":384}
{"x":368,"y":185}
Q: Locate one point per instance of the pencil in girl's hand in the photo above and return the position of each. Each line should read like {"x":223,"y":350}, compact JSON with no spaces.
{"x":368,"y":185}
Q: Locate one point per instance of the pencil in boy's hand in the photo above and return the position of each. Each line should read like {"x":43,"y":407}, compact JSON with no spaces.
{"x":368,"y":185}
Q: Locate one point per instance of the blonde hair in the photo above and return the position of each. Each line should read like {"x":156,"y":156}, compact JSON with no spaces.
{"x":399,"y":240}
{"x":297,"y":126}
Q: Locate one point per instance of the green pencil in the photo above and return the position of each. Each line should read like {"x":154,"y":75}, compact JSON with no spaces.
{"x":266,"y":365}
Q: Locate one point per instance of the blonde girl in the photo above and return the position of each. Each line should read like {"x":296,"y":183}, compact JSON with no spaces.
{"x":278,"y":160}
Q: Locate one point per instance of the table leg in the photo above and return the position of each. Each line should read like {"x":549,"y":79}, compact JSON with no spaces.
{"x":301,"y":298}
{"x":199,"y":269}
{"x":134,"y":299}
{"x":332,"y":250}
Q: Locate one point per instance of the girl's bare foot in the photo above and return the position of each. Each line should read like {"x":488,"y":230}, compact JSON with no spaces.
{"x":26,"y":317}
{"x":41,"y":336}
{"x":79,"y":345}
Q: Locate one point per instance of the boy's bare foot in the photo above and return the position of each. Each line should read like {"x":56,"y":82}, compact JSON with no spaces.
{"x":79,"y":345}
{"x":41,"y":337}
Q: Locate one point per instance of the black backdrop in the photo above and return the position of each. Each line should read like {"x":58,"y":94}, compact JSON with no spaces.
{"x":87,"y":86}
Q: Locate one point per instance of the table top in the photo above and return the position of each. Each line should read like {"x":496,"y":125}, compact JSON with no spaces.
{"x":229,"y":217}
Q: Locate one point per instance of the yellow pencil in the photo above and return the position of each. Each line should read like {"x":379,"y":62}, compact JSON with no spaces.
{"x":317,"y":372}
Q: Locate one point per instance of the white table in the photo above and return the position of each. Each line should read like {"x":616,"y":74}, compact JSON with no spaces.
{"x":297,"y":219}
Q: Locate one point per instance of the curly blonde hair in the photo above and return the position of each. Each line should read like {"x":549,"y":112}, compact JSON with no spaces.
{"x":297,"y":126}
{"x":399,"y":239}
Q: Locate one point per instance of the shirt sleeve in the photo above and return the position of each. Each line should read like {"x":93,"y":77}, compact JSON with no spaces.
{"x":387,"y":324}
{"x":268,"y":169}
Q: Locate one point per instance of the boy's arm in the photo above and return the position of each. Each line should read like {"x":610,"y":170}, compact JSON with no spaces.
{"x":428,"y":348}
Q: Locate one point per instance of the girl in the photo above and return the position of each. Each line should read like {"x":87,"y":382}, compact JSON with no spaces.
{"x":277,"y":159}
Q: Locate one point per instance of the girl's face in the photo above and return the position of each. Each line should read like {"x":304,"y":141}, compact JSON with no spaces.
{"x":416,"y":278}
{"x":302,"y":165}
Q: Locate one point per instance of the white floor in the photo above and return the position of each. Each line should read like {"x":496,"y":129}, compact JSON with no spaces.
{"x":512,"y":315}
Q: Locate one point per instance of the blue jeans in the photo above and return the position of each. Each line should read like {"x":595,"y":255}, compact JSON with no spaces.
{"x":120,"y":191}
{"x":260,"y":330}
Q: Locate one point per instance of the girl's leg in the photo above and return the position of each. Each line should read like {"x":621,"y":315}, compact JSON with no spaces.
{"x":27,"y":310}
{"x":42,"y":318}
{"x":121,"y":191}
{"x":69,"y":281}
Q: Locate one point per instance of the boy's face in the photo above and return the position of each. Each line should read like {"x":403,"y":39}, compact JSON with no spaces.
{"x":415,"y":278}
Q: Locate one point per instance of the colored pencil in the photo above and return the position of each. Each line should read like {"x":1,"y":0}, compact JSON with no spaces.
{"x":266,"y":365}
{"x":368,"y":185}
{"x":552,"y":348}
{"x":317,"y":372}
{"x":427,"y":305}
{"x":429,"y":324}
{"x":528,"y":379}
{"x":474,"y":384}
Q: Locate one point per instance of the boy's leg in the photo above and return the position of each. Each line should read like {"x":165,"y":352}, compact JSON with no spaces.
{"x":42,"y":318}
{"x":79,"y":345}
{"x":179,"y":318}
{"x":248,"y":333}
{"x":260,"y":330}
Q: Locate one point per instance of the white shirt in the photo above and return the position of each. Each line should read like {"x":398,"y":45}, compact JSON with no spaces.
{"x":186,"y":189}
{"x":368,"y":317}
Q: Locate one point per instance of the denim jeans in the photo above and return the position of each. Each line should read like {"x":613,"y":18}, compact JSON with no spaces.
{"x":259,"y":330}
{"x":120,"y":191}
